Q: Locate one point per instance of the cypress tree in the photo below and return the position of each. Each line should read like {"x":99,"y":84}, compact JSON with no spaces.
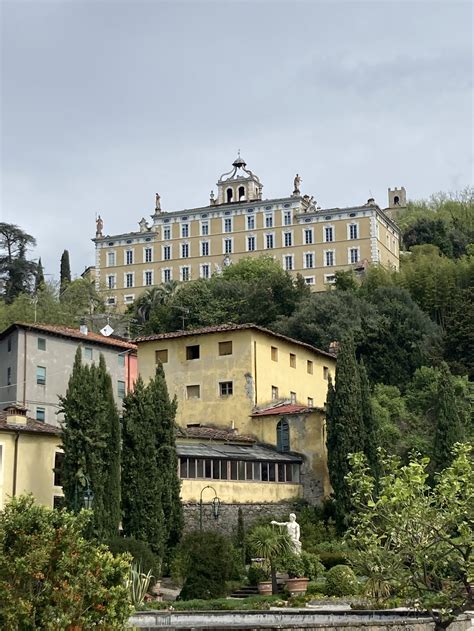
{"x":369,"y":423}
{"x":143,"y":516}
{"x":448,"y":429}
{"x":110,"y":433}
{"x":39,"y":276}
{"x":65,"y":272}
{"x":91,"y":446}
{"x":344,"y":427}
{"x":165,"y":438}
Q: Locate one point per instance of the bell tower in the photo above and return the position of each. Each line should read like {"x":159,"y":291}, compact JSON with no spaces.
{"x":239,"y":184}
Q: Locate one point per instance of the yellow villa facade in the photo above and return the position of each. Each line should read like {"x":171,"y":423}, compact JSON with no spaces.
{"x":195,"y":243}
{"x":30,"y":456}
{"x":255,"y":402}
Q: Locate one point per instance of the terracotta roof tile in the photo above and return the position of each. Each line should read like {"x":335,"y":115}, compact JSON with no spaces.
{"x":285,"y":408}
{"x":223,"y":328}
{"x":65,"y":331}
{"x":214,"y":433}
{"x":31,"y":426}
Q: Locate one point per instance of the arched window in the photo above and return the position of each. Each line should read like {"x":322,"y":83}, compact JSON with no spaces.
{"x":283,"y":435}
{"x":241,"y":193}
{"x":396,"y":200}
{"x":230,"y":194}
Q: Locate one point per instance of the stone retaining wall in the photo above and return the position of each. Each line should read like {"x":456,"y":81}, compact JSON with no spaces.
{"x":228,"y":516}
{"x":289,"y":619}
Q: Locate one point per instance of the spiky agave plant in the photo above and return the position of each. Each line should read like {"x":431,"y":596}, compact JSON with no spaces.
{"x":138,"y":583}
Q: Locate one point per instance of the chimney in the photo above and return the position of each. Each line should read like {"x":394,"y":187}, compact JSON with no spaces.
{"x":16,"y":415}
{"x":334,"y":347}
{"x":83,"y":327}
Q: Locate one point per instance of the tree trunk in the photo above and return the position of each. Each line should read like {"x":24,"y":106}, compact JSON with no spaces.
{"x":274,"y":579}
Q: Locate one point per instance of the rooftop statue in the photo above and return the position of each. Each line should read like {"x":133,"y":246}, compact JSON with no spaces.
{"x":99,"y":226}
{"x":296,"y":184}
{"x":157,"y":202}
{"x":293,"y":529}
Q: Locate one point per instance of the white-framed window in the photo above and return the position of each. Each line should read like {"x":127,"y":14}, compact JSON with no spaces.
{"x":205,"y":270}
{"x":251,"y":243}
{"x":308,"y":236}
{"x":288,"y":262}
{"x":111,"y":300}
{"x":193,"y":392}
{"x":250,"y":222}
{"x":166,"y":233}
{"x":129,"y":280}
{"x":166,"y":252}
{"x":88,"y":352}
{"x":185,"y":250}
{"x":204,"y":248}
{"x":269,"y":220}
{"x":41,"y":414}
{"x":269,"y":241}
{"x":353,"y":231}
{"x":329,"y":258}
{"x":287,"y":221}
{"x":308,"y":260}
{"x":275,"y":393}
{"x":110,"y":259}
{"x":121,"y":389}
{"x":353,"y":255}
{"x":185,"y":273}
{"x":329,"y":279}
{"x":166,"y":274}
{"x":148,"y":255}
{"x":128,"y":257}
{"x":184,"y":230}
{"x":328,"y":234}
{"x":148,"y":278}
{"x":41,"y":375}
{"x":111,"y":281}
{"x":227,"y":224}
{"x":129,"y":298}
{"x":204,"y":228}
{"x":227,"y":246}
{"x":287,"y":239}
{"x":309,"y":280}
{"x":293,"y":397}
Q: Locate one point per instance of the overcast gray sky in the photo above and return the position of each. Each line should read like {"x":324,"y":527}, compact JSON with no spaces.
{"x":105,"y":103}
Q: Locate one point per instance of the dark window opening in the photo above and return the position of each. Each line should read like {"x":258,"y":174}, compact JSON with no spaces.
{"x":283,"y":436}
{"x":58,"y":466}
{"x":230,"y":194}
{"x":241,"y":193}
{"x":192,"y":352}
{"x":396,"y":200}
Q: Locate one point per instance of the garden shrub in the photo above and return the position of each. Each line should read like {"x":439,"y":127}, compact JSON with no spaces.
{"x":257,"y":574}
{"x":203,"y":563}
{"x":52,"y":577}
{"x":341,"y":581}
{"x":141,"y":553}
{"x":331,"y":559}
{"x":312,"y":566}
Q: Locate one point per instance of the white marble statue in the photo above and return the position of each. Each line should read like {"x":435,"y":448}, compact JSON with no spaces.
{"x":293,"y":529}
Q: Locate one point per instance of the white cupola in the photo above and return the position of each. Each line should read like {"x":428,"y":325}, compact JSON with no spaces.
{"x":239,"y":184}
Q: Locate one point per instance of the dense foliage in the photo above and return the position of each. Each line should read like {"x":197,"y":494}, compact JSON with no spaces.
{"x":152,"y":510}
{"x":203,"y":563}
{"x":52,"y":577}
{"x":91,"y":443}
{"x":414,"y":540}
{"x":16,"y":271}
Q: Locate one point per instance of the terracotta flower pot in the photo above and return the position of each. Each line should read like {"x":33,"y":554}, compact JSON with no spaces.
{"x":296,"y":586}
{"x":265,"y":588}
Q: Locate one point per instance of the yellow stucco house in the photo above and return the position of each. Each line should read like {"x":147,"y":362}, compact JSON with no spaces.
{"x":250,"y":410}
{"x":30,"y":456}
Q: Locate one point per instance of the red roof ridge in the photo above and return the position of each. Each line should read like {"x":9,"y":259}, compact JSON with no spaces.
{"x":67,"y":331}
{"x":222,"y":328}
{"x":284,"y":408}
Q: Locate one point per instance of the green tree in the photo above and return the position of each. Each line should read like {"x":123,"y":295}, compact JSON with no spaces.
{"x":39,"y":276}
{"x":345,"y":430}
{"x":89,"y":435}
{"x":152,"y":510}
{"x":16,"y":271}
{"x":272,"y":544}
{"x":370,"y":430}
{"x":413,"y":539}
{"x":448,"y":430}
{"x":64,"y":273}
{"x":52,"y":577}
{"x":143,"y":516}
